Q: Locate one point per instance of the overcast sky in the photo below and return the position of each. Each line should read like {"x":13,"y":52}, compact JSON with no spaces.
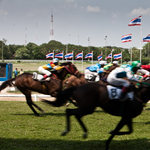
{"x":73,"y":21}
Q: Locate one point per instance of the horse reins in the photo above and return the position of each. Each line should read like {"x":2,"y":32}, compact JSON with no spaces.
{"x":71,"y":68}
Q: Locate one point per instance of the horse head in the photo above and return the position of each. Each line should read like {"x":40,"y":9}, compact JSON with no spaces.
{"x":71,"y":68}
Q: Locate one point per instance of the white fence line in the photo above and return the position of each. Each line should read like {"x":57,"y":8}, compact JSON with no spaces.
{"x":34,"y":95}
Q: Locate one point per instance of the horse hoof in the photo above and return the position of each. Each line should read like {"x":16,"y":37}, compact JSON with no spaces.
{"x":84,"y":136}
{"x":37,"y":115}
{"x":43,"y":112}
{"x":64,"y":133}
{"x":111,"y":132}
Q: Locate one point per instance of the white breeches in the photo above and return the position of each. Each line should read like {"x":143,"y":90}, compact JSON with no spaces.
{"x":43,"y":71}
{"x":117,"y":81}
{"x":87,"y":71}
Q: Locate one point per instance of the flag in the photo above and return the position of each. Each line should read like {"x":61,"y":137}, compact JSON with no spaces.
{"x":79,"y":55}
{"x":89,"y":55}
{"x":126,"y":38}
{"x":99,"y":57}
{"x":109,"y":56}
{"x":50,"y":55}
{"x":69,"y":55}
{"x":135,"y":21}
{"x":59,"y":55}
{"x":117,"y":56}
{"x":147,"y":38}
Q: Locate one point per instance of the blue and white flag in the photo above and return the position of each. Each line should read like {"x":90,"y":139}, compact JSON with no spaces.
{"x":89,"y":55}
{"x":79,"y":55}
{"x":99,"y":57}
{"x":50,"y":55}
{"x":126,"y":38}
{"x":59,"y":55}
{"x":147,"y":38}
{"x":109,"y":56}
{"x":135,"y":21}
{"x":69,"y":55}
{"x":117,"y":56}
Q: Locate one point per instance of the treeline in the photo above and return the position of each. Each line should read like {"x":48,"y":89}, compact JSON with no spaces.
{"x":33,"y":51}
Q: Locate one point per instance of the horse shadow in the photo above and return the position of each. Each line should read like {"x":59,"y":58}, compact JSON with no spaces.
{"x":61,"y":144}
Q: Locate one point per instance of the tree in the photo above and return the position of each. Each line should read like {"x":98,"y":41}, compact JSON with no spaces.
{"x":22,"y":53}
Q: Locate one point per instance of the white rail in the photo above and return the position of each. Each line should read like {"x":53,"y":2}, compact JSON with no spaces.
{"x":19,"y":95}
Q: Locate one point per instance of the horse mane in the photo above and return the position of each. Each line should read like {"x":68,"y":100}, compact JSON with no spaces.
{"x":66,"y":63}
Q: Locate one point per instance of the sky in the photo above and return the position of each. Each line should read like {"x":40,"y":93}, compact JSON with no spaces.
{"x":78,"y":22}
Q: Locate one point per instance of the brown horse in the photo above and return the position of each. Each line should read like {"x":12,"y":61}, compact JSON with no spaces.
{"x":74,"y":80}
{"x":26,"y":84}
{"x":92,"y":95}
{"x":79,"y":79}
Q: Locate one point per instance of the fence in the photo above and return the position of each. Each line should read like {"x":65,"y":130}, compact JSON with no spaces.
{"x":19,"y":95}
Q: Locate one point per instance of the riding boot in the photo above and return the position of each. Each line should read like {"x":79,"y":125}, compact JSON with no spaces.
{"x":123,"y":93}
{"x":44,"y":77}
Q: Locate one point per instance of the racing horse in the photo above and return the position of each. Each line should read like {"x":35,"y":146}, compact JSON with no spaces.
{"x":92,"y":95}
{"x":26,"y":84}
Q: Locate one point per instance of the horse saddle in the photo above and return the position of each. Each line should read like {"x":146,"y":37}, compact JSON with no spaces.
{"x":115,"y":93}
{"x":39,"y":77}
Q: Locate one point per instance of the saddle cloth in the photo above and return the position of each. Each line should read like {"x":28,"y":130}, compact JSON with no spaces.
{"x":115,"y":92}
{"x":38,"y":77}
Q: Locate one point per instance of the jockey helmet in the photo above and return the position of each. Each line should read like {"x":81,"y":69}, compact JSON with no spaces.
{"x":55,"y":60}
{"x":102,"y":62}
{"x":136,"y":64}
{"x":115,"y":62}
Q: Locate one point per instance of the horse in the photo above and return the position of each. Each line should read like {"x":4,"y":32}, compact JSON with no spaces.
{"x":92,"y":95}
{"x":74,"y":80}
{"x":25,"y":83}
{"x":79,"y":79}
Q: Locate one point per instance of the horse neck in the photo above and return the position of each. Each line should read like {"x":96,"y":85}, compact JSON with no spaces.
{"x":62,"y":74}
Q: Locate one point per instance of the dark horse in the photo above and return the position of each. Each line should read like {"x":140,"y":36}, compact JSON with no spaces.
{"x":26,"y":84}
{"x":92,"y":95}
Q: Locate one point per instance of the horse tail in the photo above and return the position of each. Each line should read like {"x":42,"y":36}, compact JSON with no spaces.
{"x":62,"y":97}
{"x":7,"y":83}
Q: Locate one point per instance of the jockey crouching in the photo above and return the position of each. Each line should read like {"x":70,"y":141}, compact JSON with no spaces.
{"x":94,"y":71}
{"x":45,"y":69}
{"x":123,"y":77}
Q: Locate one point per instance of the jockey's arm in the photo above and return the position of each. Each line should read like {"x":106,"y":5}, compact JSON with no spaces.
{"x":143,"y":72}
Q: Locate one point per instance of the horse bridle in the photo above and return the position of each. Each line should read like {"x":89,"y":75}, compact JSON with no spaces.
{"x":71,"y":70}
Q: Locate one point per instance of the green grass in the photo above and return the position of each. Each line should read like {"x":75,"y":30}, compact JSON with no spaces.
{"x":21,"y":130}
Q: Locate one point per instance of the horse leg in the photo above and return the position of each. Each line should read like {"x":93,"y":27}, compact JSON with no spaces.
{"x":79,"y":113}
{"x":27,"y":94}
{"x":123,"y":121}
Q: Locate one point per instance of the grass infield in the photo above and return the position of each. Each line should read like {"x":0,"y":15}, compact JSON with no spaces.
{"x":21,"y":130}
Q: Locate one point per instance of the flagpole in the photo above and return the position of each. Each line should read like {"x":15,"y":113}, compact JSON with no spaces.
{"x":111,"y":56}
{"x":121,"y":57}
{"x":63,"y":56}
{"x":92,"y":57}
{"x":72,"y":56}
{"x":53,"y":54}
{"x":141,"y":38}
{"x":82,"y":61}
{"x":131,"y":51}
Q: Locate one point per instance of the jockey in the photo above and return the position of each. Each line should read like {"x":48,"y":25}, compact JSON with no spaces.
{"x":45,"y":69}
{"x":140,"y":73}
{"x":114,"y":63}
{"x":95,"y":69}
{"x":123,"y":77}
